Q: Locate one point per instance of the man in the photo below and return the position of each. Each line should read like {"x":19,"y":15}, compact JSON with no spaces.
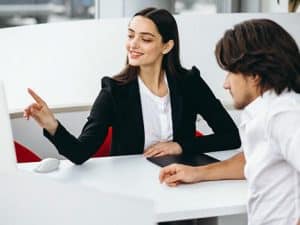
{"x":263,"y":64}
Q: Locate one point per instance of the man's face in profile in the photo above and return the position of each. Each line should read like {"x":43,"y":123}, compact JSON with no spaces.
{"x":241,"y":88}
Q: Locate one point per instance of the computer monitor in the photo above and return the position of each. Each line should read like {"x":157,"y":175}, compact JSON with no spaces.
{"x":8,"y":162}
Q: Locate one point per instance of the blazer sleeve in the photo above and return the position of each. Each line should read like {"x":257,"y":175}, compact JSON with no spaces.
{"x":226,"y":134}
{"x":80,"y":149}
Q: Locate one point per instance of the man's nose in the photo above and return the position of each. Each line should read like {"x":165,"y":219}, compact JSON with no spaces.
{"x":226,"y":83}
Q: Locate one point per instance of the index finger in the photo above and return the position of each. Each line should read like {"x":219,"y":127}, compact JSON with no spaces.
{"x":37,"y":98}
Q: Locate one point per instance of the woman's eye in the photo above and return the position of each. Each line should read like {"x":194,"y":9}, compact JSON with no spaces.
{"x":130,"y":36}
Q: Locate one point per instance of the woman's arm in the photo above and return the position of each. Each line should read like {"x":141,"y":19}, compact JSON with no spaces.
{"x":204,"y":102}
{"x":80,"y":149}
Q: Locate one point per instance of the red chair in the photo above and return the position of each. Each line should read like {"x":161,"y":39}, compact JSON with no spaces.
{"x":104,"y":150}
{"x":198,"y":134}
{"x":105,"y":147}
{"x":24,"y":154}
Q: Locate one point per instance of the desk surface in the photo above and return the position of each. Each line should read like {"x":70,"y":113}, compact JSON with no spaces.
{"x":135,"y":176}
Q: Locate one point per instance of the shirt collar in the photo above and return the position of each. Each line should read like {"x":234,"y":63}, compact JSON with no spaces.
{"x":144,"y":89}
{"x":257,"y":107}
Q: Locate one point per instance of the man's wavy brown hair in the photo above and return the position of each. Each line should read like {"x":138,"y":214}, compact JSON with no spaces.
{"x":261,"y":47}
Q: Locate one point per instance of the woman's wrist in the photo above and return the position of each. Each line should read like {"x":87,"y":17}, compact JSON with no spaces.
{"x":178,"y":149}
{"x":52,"y":127}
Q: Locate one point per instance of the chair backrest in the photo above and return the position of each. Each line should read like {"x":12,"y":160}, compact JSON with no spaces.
{"x":198,"y":133}
{"x":24,"y":154}
{"x":104,"y":149}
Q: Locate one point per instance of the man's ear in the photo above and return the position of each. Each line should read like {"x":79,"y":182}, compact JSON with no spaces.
{"x":168,"y":47}
{"x":255,"y":79}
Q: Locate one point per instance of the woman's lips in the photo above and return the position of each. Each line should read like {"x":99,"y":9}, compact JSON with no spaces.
{"x":135,"y":55}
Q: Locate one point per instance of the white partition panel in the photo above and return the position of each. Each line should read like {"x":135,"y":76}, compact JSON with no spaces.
{"x":64,"y":62}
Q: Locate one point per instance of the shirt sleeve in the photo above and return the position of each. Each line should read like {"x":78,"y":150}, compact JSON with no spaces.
{"x":285,"y":130}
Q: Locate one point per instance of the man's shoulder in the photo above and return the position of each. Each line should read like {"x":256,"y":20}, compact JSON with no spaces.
{"x":286,"y":101}
{"x":285,"y":107}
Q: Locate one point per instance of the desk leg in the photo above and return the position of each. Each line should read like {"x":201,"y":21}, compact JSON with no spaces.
{"x":203,"y":221}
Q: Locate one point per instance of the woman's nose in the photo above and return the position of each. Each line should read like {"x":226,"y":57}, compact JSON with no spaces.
{"x":134,"y":43}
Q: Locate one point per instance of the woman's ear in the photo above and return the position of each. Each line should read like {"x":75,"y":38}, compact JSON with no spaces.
{"x":168,"y":47}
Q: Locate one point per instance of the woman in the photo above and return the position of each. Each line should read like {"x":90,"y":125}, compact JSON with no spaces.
{"x":151,"y":105}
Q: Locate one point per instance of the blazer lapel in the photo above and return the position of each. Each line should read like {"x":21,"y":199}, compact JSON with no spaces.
{"x":136,"y":114}
{"x":176,"y":104}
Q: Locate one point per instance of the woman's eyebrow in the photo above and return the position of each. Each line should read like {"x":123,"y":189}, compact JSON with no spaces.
{"x":142,"y":33}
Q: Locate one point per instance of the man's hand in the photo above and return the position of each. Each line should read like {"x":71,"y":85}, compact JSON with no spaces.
{"x":232,"y":168}
{"x":176,"y":173}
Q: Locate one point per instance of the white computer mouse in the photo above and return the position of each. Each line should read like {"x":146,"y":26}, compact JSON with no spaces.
{"x":47,"y":165}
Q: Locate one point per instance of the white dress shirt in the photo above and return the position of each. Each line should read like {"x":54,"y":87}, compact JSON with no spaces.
{"x":270,"y":132}
{"x":157,"y":115}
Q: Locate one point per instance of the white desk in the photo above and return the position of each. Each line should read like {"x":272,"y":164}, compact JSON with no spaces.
{"x":135,"y":176}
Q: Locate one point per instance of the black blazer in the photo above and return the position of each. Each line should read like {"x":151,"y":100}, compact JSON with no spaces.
{"x":119,"y":106}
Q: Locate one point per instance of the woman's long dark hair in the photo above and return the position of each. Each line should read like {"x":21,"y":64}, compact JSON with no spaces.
{"x":167,"y":27}
{"x":261,"y":47}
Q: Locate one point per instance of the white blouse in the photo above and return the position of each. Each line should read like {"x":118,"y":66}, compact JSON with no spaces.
{"x":157,"y":115}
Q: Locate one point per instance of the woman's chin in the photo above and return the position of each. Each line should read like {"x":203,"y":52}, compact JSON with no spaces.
{"x":134,"y":63}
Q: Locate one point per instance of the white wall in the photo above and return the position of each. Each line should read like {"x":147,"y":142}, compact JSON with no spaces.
{"x":269,"y":6}
{"x":273,"y":6}
{"x":127,"y":8}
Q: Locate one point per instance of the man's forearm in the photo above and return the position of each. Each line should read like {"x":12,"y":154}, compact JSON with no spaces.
{"x":232,"y":168}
